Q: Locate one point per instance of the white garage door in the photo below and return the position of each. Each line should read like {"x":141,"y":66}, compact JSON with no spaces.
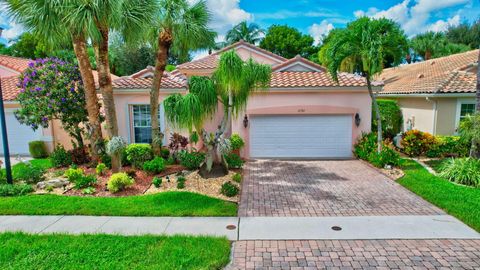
{"x":18,"y":136}
{"x":314,"y":136}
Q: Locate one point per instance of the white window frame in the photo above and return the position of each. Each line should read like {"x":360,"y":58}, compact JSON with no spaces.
{"x":131,"y":127}
{"x":460,"y":102}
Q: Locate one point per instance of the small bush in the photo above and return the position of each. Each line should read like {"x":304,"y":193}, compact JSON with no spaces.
{"x":60,"y":157}
{"x":366,"y":149}
{"x":138,"y":154}
{"x":236,"y":142}
{"x":80,"y":155}
{"x":154,"y":166}
{"x":191,"y":160}
{"x":89,"y":191}
{"x":85,"y":181}
{"x":74,"y":174}
{"x":157,"y":182}
{"x":165,"y":153}
{"x":366,"y":145}
{"x":38,"y":149}
{"x":170,"y":161}
{"x":237,"y":178}
{"x":234,"y":161}
{"x":7,"y":190}
{"x":181,"y":182}
{"x":229,"y":189}
{"x":107,"y":160}
{"x":118,"y":182}
{"x":465,"y":171}
{"x":388,"y":156}
{"x":445,"y":146}
{"x":391,"y":117}
{"x":100,"y":169}
{"x":416,"y":143}
{"x":28,"y":173}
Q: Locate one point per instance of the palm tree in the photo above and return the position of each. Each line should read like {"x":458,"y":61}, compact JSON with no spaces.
{"x":181,"y":26}
{"x":231,"y":84}
{"x":128,"y":17}
{"x":428,"y":44}
{"x":363,"y":46}
{"x":47,"y":19}
{"x":251,"y":33}
{"x":478,"y":83}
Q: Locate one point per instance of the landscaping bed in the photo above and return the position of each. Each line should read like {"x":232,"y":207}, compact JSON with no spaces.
{"x":24,"y":251}
{"x":463,"y":202}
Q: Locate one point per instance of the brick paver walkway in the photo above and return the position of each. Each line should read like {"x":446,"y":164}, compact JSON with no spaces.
{"x":325,"y":188}
{"x":359,"y":254}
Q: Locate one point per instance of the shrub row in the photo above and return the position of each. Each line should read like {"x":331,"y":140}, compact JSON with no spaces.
{"x":418,"y":143}
{"x":366,"y":149}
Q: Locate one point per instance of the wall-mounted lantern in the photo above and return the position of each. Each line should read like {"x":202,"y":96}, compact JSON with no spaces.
{"x":358,"y":120}
{"x":245,"y":121}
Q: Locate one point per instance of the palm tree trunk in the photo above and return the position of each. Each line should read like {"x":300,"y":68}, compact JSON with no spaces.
{"x":428,"y":55}
{"x":475,"y":147}
{"x":106,"y":88}
{"x":478,"y":83}
{"x":164,"y":44}
{"x":377,"y":114}
{"x":93,"y":109}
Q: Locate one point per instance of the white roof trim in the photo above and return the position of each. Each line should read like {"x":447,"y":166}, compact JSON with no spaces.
{"x":428,"y":95}
{"x":259,"y":52}
{"x":298,"y":62}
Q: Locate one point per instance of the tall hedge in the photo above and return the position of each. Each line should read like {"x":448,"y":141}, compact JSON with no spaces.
{"x":391,"y":116}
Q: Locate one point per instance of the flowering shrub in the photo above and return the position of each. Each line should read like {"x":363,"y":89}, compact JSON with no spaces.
{"x":416,"y":142}
{"x":366,"y":149}
{"x":52,"y":89}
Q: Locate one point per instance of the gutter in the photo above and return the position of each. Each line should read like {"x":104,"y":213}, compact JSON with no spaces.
{"x":429,"y":95}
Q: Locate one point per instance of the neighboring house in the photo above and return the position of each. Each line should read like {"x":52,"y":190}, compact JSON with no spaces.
{"x":434,"y":95}
{"x":19,"y":135}
{"x":304,"y":113}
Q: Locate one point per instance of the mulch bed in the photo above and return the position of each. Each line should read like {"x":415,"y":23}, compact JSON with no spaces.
{"x":143,"y":181}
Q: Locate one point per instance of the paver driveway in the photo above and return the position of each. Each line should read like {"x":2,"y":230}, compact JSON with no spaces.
{"x":325,"y":188}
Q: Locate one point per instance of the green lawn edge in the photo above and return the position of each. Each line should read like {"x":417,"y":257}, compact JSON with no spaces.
{"x":60,"y":251}
{"x":459,"y":201}
{"x":180,"y":204}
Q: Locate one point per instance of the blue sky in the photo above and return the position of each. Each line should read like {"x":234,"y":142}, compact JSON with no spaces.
{"x":317,"y":17}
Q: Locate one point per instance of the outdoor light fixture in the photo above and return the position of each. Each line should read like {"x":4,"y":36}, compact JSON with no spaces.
{"x":357,"y":119}
{"x":245,"y":121}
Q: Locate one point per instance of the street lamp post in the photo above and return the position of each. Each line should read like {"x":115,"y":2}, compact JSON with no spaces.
{"x":3,"y":125}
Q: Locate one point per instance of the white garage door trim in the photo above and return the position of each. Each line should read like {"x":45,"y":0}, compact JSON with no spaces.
{"x":301,"y":136}
{"x":18,"y":135}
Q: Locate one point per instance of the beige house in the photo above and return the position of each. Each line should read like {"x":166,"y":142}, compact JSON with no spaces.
{"x":434,"y":95}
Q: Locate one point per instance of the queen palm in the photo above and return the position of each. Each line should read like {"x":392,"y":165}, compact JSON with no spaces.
{"x":251,"y":33}
{"x":231,"y":84}
{"x":363,"y":47}
{"x":47,"y":19}
{"x":184,"y":27}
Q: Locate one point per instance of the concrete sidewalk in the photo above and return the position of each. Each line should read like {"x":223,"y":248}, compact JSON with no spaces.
{"x":252,"y":228}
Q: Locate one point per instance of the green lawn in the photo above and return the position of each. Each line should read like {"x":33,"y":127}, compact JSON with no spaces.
{"x":162,"y":204}
{"x":23,"y":251}
{"x":459,"y":201}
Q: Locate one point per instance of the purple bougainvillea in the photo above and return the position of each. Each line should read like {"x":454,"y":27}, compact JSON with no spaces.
{"x":52,"y":89}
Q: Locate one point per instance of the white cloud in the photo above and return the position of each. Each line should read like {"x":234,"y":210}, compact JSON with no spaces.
{"x":414,"y":18}
{"x":13,"y":31}
{"x":318,"y":31}
{"x":226,"y":13}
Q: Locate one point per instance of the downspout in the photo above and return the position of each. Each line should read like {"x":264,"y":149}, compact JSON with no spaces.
{"x":435,"y":112}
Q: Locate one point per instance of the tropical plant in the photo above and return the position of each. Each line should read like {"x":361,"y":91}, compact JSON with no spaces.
{"x":191,"y":160}
{"x":52,"y":89}
{"x":154,"y":166}
{"x":138,"y":154}
{"x":181,"y":182}
{"x":434,"y":44}
{"x":60,"y":157}
{"x":232,"y":83}
{"x":115,"y":147}
{"x":470,"y":131}
{"x":28,"y":173}
{"x":289,"y":42}
{"x":416,"y":143}
{"x":363,"y":47}
{"x":391,"y":117}
{"x":236,"y":142}
{"x":74,"y":174}
{"x":100,"y":169}
{"x":465,"y":33}
{"x":229,"y":189}
{"x":7,"y":190}
{"x":37,"y":149}
{"x":366,"y":147}
{"x":157,"y":181}
{"x":237,"y":178}
{"x":119,"y":181}
{"x":177,"y":143}
{"x":178,"y":26}
{"x":251,"y":33}
{"x":85,"y":181}
{"x":465,"y":171}
{"x":234,"y":161}
{"x":47,"y":19}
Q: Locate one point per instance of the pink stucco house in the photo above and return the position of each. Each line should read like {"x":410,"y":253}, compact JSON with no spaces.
{"x":304,"y":113}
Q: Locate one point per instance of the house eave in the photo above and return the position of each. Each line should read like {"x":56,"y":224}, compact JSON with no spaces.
{"x":419,"y":95}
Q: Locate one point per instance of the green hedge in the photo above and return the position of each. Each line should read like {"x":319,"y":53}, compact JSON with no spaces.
{"x":391,"y":116}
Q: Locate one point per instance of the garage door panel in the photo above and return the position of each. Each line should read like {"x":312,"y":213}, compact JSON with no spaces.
{"x":18,"y":136}
{"x":315,"y":136}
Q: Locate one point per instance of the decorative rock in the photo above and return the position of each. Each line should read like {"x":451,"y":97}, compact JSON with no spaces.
{"x":55,"y":183}
{"x":186,"y":172}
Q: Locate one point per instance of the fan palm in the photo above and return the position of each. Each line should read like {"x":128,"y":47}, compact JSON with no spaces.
{"x":231,"y":84}
{"x":251,"y":33}
{"x":46,"y":18}
{"x":428,"y":44}
{"x":181,"y":26}
{"x":363,"y":46}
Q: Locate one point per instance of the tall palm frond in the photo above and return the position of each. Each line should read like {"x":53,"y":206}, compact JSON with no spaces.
{"x":251,"y":33}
